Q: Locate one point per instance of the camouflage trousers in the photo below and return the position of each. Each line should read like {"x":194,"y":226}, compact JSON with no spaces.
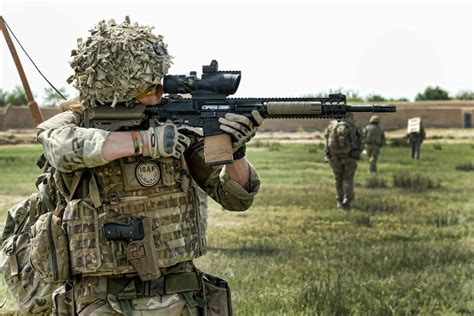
{"x":344,"y":169}
{"x":373,"y":152}
{"x":415,"y":150}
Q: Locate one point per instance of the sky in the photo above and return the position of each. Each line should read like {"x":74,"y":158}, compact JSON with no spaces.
{"x":283,"y":48}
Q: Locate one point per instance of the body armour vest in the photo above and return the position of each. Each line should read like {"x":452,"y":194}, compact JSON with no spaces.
{"x":145,"y":216}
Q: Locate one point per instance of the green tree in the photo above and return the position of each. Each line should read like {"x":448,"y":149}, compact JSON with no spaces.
{"x":465,"y":95}
{"x":52,"y":98}
{"x":2,"y":97}
{"x":375,"y":98}
{"x":432,"y":93}
{"x":16,"y":97}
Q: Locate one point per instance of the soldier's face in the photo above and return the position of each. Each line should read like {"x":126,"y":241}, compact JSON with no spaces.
{"x":154,"y":98}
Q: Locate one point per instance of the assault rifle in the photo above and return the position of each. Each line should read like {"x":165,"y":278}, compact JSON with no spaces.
{"x":209,"y":101}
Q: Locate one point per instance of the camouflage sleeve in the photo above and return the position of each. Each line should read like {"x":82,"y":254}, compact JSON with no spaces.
{"x":358,"y":145}
{"x":69,"y":147}
{"x":326,"y":139}
{"x":61,"y":119}
{"x":218,"y":184}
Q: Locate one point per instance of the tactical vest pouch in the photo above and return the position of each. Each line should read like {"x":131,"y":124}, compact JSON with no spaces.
{"x":217,"y":296}
{"x":48,"y":249}
{"x":31,"y":292}
{"x":63,"y":300}
{"x":82,"y":226}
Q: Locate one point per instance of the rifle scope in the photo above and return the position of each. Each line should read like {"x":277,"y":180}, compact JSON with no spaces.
{"x":212,"y":82}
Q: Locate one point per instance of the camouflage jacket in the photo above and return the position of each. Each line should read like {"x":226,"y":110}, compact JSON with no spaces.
{"x":69,"y":147}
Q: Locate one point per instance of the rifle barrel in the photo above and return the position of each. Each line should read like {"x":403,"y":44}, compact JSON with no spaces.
{"x":374,"y":108}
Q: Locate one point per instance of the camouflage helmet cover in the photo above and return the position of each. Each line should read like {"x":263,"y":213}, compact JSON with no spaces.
{"x":117,"y":62}
{"x":374,"y":119}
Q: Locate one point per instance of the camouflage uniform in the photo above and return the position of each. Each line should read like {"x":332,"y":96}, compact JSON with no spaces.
{"x":153,"y":274}
{"x":344,"y":164}
{"x":374,"y":137}
{"x":70,"y":148}
{"x":415,"y":140}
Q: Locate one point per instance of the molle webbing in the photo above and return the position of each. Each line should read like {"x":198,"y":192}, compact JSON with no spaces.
{"x":176,"y":224}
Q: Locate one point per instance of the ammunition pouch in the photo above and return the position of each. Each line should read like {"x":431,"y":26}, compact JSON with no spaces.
{"x":216,"y":293}
{"x":49,"y":255}
{"x":63,"y":300}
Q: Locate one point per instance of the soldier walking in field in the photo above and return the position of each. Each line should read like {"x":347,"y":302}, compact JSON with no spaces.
{"x":343,"y":145}
{"x":415,"y":136}
{"x":374,"y":137}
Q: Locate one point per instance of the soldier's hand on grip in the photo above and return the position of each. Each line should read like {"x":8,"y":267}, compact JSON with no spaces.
{"x":240,"y":127}
{"x":164,"y":141}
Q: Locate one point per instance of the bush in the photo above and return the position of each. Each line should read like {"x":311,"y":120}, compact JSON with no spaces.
{"x":465,"y":95}
{"x":443,"y":219}
{"x":274,"y":146}
{"x":464,"y":166}
{"x":398,"y":142}
{"x":362,"y":220}
{"x":377,"y":204}
{"x":432,"y":93}
{"x":375,"y":98}
{"x":416,"y":182}
{"x":375,"y":182}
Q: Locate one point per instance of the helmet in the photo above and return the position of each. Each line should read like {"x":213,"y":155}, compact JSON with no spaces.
{"x":117,"y":62}
{"x":374,"y":119}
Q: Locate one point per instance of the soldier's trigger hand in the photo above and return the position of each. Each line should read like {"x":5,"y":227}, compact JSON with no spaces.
{"x":164,"y":141}
{"x":240,"y":127}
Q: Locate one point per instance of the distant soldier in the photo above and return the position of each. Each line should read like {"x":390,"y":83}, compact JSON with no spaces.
{"x":415,"y":136}
{"x":374,"y":137}
{"x":343,"y":144}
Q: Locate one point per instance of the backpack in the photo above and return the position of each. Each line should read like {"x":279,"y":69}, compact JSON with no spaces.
{"x":33,"y":294}
{"x":340,"y":138}
{"x":373,"y":135}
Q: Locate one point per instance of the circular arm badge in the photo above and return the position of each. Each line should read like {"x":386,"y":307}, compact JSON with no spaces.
{"x":147,"y":173}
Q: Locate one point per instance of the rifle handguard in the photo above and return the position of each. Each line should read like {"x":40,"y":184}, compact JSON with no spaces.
{"x":293,"y":108}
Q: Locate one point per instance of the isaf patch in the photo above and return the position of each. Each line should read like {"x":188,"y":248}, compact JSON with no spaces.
{"x":147,"y":173}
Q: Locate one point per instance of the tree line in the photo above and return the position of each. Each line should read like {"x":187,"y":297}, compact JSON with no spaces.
{"x":17,"y":96}
{"x":431,"y":93}
{"x":51,"y":98}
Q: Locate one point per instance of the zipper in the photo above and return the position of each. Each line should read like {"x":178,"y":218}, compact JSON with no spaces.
{"x":52,"y":249}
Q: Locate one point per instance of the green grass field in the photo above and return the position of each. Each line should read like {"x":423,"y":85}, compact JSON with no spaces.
{"x":401,"y":251}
